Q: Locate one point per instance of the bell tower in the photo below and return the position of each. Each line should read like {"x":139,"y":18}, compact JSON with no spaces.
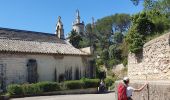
{"x":77,"y":16}
{"x":59,"y":29}
{"x":78,"y":26}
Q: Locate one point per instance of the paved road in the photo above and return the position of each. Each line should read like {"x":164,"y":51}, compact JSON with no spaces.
{"x":108,"y":96}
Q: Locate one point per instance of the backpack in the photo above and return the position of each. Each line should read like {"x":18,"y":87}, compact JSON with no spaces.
{"x":122,"y":92}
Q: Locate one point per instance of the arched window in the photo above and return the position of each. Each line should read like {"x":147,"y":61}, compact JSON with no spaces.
{"x":32,"y":71}
{"x":58,"y":28}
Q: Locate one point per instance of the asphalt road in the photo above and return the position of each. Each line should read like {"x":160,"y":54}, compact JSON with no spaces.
{"x":108,"y":96}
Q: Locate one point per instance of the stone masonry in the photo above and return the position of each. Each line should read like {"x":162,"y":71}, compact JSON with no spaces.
{"x":153,"y":63}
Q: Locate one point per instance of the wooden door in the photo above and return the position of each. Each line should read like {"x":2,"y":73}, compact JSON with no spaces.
{"x":32,"y":71}
{"x":2,"y":76}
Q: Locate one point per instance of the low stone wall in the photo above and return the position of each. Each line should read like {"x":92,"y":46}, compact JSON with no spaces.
{"x":157,"y":90}
{"x":153,"y":63}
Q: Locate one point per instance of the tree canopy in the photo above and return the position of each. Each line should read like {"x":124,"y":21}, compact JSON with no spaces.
{"x":112,"y":37}
{"x":74,"y":39}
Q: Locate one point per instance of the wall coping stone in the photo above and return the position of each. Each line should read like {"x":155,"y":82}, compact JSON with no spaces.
{"x":167,"y":35}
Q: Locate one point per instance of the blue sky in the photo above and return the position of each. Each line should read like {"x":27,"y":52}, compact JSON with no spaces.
{"x":41,"y":15}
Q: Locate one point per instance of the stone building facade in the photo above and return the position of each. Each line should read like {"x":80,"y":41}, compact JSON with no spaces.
{"x":29,"y":57}
{"x":153,"y":63}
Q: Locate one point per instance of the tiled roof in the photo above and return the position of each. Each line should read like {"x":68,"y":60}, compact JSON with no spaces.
{"x":37,"y":43}
{"x":16,"y":34}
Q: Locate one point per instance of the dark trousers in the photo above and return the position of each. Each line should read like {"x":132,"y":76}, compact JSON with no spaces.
{"x":129,"y":98}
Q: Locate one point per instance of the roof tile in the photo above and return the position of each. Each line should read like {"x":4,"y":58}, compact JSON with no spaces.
{"x":38,"y":47}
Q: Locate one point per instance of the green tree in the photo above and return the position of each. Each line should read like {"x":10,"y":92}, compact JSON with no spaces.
{"x":107,"y":26}
{"x":121,"y":23}
{"x":105,"y":55}
{"x":165,"y":5}
{"x":107,"y":32}
{"x":90,"y":34}
{"x":159,"y":5}
{"x":118,"y":37}
{"x":110,"y":32}
{"x":160,"y":20}
{"x":141,"y":27}
{"x":135,"y":40}
{"x":147,"y":3}
{"x":145,"y":25}
{"x":115,"y":52}
{"x":113,"y":23}
{"x":75,"y":39}
{"x":142,"y":23}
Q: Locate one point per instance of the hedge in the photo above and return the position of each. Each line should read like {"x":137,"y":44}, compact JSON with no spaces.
{"x":82,"y":84}
{"x":32,"y":89}
{"x":76,"y":84}
{"x":91,"y":83}
{"x":40,"y":87}
{"x":14,"y":89}
{"x":48,"y":86}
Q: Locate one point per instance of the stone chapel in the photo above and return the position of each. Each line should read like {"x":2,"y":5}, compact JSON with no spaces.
{"x":29,"y":57}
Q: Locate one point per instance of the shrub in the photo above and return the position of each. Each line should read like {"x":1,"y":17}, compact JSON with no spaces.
{"x":109,"y":81}
{"x":48,"y":86}
{"x":125,"y":62}
{"x":99,"y":62}
{"x":33,"y":89}
{"x":91,"y":83}
{"x":14,"y":89}
{"x":37,"y":88}
{"x":135,"y":41}
{"x":113,"y":62}
{"x":76,"y":84}
{"x":29,"y":89}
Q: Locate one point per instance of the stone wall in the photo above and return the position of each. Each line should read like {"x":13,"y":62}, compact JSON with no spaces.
{"x":120,"y":71}
{"x":153,"y":63}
